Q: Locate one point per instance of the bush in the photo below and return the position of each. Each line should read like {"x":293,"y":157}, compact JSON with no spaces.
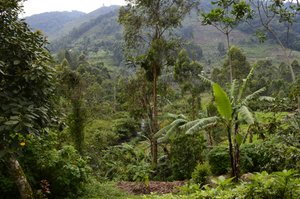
{"x":219,"y":160}
{"x":124,"y":162}
{"x":283,"y":185}
{"x":62,"y":168}
{"x":186,"y":152}
{"x":268,"y":156}
{"x":201,"y":173}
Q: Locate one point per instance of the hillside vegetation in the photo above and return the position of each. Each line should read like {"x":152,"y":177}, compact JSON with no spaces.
{"x":159,"y":99}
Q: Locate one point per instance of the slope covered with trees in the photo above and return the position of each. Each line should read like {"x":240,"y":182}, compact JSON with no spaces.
{"x":148,"y":97}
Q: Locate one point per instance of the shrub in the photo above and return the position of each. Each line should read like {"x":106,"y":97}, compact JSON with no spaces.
{"x":62,"y":167}
{"x":219,"y":160}
{"x":125,"y":162}
{"x":201,"y":173}
{"x":269,"y":156}
{"x":283,"y":184}
{"x":186,"y":152}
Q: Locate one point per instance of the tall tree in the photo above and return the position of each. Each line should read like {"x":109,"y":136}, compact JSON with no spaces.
{"x":225,"y":16}
{"x":186,"y":73}
{"x":278,"y":13}
{"x":149,"y":26}
{"x":26,"y":88}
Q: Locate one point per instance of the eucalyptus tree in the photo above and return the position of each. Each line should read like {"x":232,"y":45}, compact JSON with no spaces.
{"x":272,"y":14}
{"x":150,"y":42}
{"x":26,"y":89}
{"x":186,"y":74}
{"x":225,"y":16}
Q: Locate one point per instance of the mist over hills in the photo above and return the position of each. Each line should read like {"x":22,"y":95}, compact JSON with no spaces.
{"x":57,"y":24}
{"x":98,"y":34}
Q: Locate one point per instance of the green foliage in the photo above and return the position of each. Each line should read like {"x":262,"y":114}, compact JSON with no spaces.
{"x":201,"y":173}
{"x":125,"y":128}
{"x":26,"y":78}
{"x":238,"y":63}
{"x":269,"y":156}
{"x":186,"y":73}
{"x":282,"y":184}
{"x":186,"y":152}
{"x":61,"y":166}
{"x":223,"y":103}
{"x":96,"y":190}
{"x":219,"y":160}
{"x":124,"y":162}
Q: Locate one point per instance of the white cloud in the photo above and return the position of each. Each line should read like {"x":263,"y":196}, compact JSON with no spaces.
{"x":39,"y":6}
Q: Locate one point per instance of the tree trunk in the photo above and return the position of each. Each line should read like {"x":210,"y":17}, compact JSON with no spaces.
{"x":229,"y":59}
{"x":231,"y":150}
{"x":19,"y":178}
{"x":236,"y":151}
{"x":154,"y":149}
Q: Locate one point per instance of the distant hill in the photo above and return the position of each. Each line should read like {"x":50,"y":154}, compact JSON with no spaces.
{"x":52,"y":22}
{"x":99,"y":36}
{"x":57,"y":24}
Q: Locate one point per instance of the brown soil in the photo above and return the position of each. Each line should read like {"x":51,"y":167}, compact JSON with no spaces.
{"x":154,"y":187}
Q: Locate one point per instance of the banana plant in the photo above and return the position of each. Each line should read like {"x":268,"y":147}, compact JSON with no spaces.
{"x":233,"y":109}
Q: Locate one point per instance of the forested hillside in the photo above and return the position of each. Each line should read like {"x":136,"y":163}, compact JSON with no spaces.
{"x":160,"y":99}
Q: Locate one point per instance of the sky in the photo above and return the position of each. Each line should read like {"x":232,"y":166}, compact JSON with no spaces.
{"x":39,"y":6}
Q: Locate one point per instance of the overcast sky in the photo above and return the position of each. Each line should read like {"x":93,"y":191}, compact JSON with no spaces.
{"x":39,"y":6}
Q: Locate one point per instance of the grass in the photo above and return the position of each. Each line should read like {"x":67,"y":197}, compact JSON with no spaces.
{"x":108,"y":190}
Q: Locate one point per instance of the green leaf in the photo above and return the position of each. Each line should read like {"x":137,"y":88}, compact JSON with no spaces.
{"x":222,"y":102}
{"x":197,"y":125}
{"x":11,"y":122}
{"x":16,"y":62}
{"x":246,"y":115}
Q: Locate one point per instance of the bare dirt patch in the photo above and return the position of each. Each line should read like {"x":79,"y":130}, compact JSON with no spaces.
{"x":153,"y":187}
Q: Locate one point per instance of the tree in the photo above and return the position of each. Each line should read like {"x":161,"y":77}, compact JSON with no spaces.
{"x":186,"y":73}
{"x":221,"y":49}
{"x":72,"y":86}
{"x":26,"y":88}
{"x":148,"y":36}
{"x":283,"y":13}
{"x":239,"y":65}
{"x":226,"y":15}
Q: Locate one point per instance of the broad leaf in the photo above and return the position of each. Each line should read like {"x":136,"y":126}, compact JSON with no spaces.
{"x":246,"y":115}
{"x":253,"y":96}
{"x":222,"y":102}
{"x":197,"y":125}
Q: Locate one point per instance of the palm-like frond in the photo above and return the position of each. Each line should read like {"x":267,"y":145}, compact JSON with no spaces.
{"x":252,"y":96}
{"x":173,"y":116}
{"x":167,"y":130}
{"x":199,"y":124}
{"x":246,"y":115}
{"x":266,"y":98}
{"x":245,"y":82}
{"x":205,"y":80}
{"x":234,"y":89}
